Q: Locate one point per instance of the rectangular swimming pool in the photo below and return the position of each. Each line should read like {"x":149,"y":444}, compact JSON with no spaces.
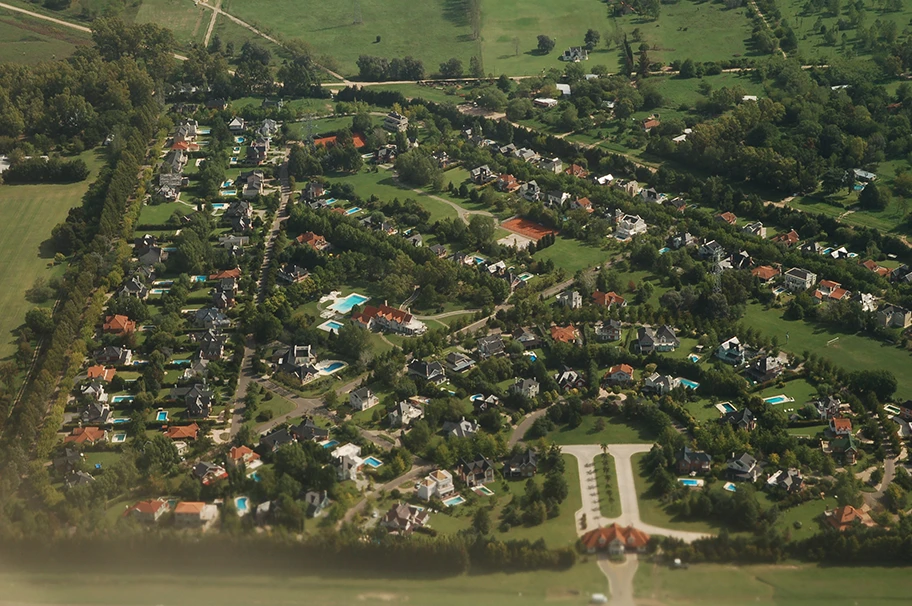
{"x":343,"y":306}
{"x":484,"y":491}
{"x":373,"y":462}
{"x":116,"y":399}
{"x":664,"y":250}
{"x":330,"y":326}
{"x":453,"y":501}
{"x":353,"y":210}
{"x":728,"y":407}
{"x":690,"y":483}
{"x":777,"y":399}
{"x":330,"y":443}
{"x":161,"y":415}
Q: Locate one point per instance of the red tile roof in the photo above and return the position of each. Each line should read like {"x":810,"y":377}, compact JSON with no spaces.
{"x":650,"y":124}
{"x":607,"y":299}
{"x":843,"y":517}
{"x":189,"y":507}
{"x":227,"y":273}
{"x":729,"y":218}
{"x":315,"y":241}
{"x":564,"y":334}
{"x":118,"y":324}
{"x":765,"y":272}
{"x":602,"y":537}
{"x":182,"y":432}
{"x":788,"y":239}
{"x":149,"y":507}
{"x":100,"y":372}
{"x":81,"y":435}
{"x":239,"y":453}
{"x":577,"y":171}
{"x":829,"y":284}
{"x":625,"y":368}
{"x":841,"y":424}
{"x":384,"y":311}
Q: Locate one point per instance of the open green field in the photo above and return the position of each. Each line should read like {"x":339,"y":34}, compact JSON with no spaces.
{"x":539,"y":587}
{"x":229,"y":31}
{"x":433,"y":30}
{"x":24,"y":39}
{"x":572,"y":255}
{"x":187,"y":20}
{"x":30,"y":213}
{"x":774,"y":585}
{"x":853,"y":352}
{"x":158,"y":214}
{"x":684,"y":91}
{"x":808,"y":514}
{"x":381,"y":184}
{"x":616,"y":432}
{"x":278,"y":406}
{"x":799,"y":390}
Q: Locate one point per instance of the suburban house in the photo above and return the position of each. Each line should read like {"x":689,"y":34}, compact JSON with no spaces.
{"x":545,"y":102}
{"x":840,"y":426}
{"x":552,"y":165}
{"x":404,"y":413}
{"x":347,"y":460}
{"x":461,"y":428}
{"x":582,"y":204}
{"x":765,"y":273}
{"x":755,"y":229}
{"x":94,"y":412}
{"x":316,"y":501}
{"x":78,"y":478}
{"x":271,"y":441}
{"x":182,"y":432}
{"x":569,"y":379}
{"x":651,"y":339}
{"x":893,"y":316}
{"x":241,"y":455}
{"x":789,"y":480}
{"x":148,"y":511}
{"x":651,"y":123}
{"x":571,"y":299}
{"x":575,"y":170}
{"x":530,"y":191}
{"x":711,"y":251}
{"x":788,"y":240}
{"x":432,"y":372}
{"x":523,"y":465}
{"x":660,"y":384}
{"x":118,"y":325}
{"x":94,"y":389}
{"x":827,"y":407}
{"x":362,"y":399}
{"x":315,"y":241}
{"x":615,"y":539}
{"x":575,"y":54}
{"x":619,"y":374}
{"x":482,"y":175}
{"x":86,"y":435}
{"x":845,"y":517}
{"x":389,"y":318}
{"x":307,"y":431}
{"x":727,"y":217}
{"x":740,"y":419}
{"x":743,"y":469}
{"x":506,"y":183}
{"x":484,"y":403}
{"x":395,"y":122}
{"x":491,"y":345}
{"x":872,"y":266}
{"x":237,"y":125}
{"x":765,"y":369}
{"x":197,"y":398}
{"x":134,"y":287}
{"x":843,"y":446}
{"x":799,"y":280}
{"x":629,"y":226}
{"x":731,"y":352}
{"x":829,"y":290}
{"x":609,"y":330}
{"x":209,"y":473}
{"x":525,"y":387}
{"x":404,"y":518}
{"x":692,"y":461}
{"x":100,"y":372}
{"x":475,"y":473}
{"x":209,"y":318}
{"x":120,"y":356}
{"x":459,"y":362}
{"x":438,"y":483}
{"x":528,"y":338}
{"x":565,"y":334}
{"x":607,"y":299}
{"x":195,"y":514}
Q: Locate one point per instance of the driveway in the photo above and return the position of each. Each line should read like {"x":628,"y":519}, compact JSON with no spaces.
{"x":524,"y":426}
{"x":620,"y":578}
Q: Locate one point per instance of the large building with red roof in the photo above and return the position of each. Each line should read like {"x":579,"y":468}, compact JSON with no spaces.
{"x":615,"y":539}
{"x":389,"y":318}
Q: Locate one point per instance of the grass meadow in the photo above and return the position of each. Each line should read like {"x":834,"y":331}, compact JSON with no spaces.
{"x":187,"y":20}
{"x":30,"y":213}
{"x":27,"y":40}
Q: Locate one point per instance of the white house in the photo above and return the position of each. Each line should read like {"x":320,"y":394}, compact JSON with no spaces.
{"x":436,"y":484}
{"x":799,"y":280}
{"x":404,"y":413}
{"x":348,"y":461}
{"x":629,"y":226}
{"x":362,"y":399}
{"x":571,"y":299}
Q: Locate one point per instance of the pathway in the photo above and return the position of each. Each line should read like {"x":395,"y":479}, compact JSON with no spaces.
{"x":620,"y":578}
{"x":462,"y":213}
{"x":448,"y":314}
{"x":520,"y":430}
{"x":766,"y":23}
{"x":218,"y":5}
{"x":276,"y":226}
{"x":418,"y":470}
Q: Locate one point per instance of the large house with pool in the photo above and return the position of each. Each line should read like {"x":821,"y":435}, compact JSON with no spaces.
{"x":386,"y":318}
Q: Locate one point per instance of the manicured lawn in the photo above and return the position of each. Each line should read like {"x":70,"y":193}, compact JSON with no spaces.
{"x":779,"y":585}
{"x":105,"y":459}
{"x":159,"y":214}
{"x":807,"y":514}
{"x":853,"y":352}
{"x":538,"y":587}
{"x":807,"y":430}
{"x":609,"y":501}
{"x":616,"y":432}
{"x":651,"y":509}
{"x":30,"y":212}
{"x":800,"y":390}
{"x":703,"y":410}
{"x":432,"y":31}
{"x":680,"y":91}
{"x":24,"y":39}
{"x":381,"y":184}
{"x":278,"y":405}
{"x":573,"y":255}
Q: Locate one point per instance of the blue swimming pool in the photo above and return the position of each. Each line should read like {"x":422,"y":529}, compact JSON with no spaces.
{"x":664,"y":250}
{"x":532,"y":356}
{"x":693,"y":358}
{"x":453,"y":501}
{"x":526,"y":277}
{"x":477,"y":396}
{"x":689,"y":483}
{"x":170,"y":249}
{"x":373,"y":462}
{"x":162,"y":415}
{"x":776,"y":399}
{"x":689,"y":384}
{"x":226,"y":192}
{"x":343,"y":306}
{"x":232,"y":160}
{"x":159,"y":291}
{"x":479,"y":260}
{"x":239,"y":139}
{"x":330,"y":444}
{"x":255,"y":476}
{"x":120,"y":420}
{"x":730,"y":487}
{"x":198,"y":278}
{"x":330,"y":201}
{"x":180,"y":362}
{"x":242,"y":504}
{"x":333,"y":367}
{"x":728,"y":407}
{"x":117,"y":399}
{"x":353,"y":210}
{"x":219,"y":205}
{"x":333,"y":325}
{"x":119,"y":438}
{"x":228,"y":183}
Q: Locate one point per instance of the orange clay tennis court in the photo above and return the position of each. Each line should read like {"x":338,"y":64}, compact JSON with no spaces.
{"x":527,"y":228}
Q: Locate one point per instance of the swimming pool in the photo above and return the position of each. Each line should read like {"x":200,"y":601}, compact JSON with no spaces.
{"x":726,"y":407}
{"x":531,"y":355}
{"x":232,"y":160}
{"x":330,"y":201}
{"x":239,"y":139}
{"x":242,"y":504}
{"x":119,"y":438}
{"x":477,"y":396}
{"x":373,"y":462}
{"x":484,"y":491}
{"x":163,"y":283}
{"x":219,"y":205}
{"x":479,"y":260}
{"x":730,"y":487}
{"x":343,"y":306}
{"x":453,"y":501}
{"x":333,"y":367}
{"x":827,"y":251}
{"x":116,"y":399}
{"x":204,"y":131}
{"x":688,"y":383}
{"x":330,"y":326}
{"x":693,"y":358}
{"x":353,"y":210}
{"x":255,"y":476}
{"x":777,"y":399}
{"x":330,"y":443}
{"x":526,"y":277}
{"x":161,"y":415}
{"x":198,"y":278}
{"x":170,"y":249}
{"x":690,"y":483}
{"x":159,"y":291}
{"x":120,"y":420}
{"x":235,"y":150}
{"x":180,"y":362}
{"x":227,"y":183}
{"x":225,"y":192}
{"x":664,"y":250}
{"x":140,"y":362}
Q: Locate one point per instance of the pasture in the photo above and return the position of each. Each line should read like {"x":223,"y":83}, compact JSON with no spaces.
{"x":30,"y":213}
{"x":27,"y":40}
{"x":187,"y":20}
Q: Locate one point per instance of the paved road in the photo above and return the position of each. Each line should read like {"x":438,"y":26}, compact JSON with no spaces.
{"x":620,"y":578}
{"x":630,"y":508}
{"x":418,"y":470}
{"x":280,"y":216}
{"x":520,"y":431}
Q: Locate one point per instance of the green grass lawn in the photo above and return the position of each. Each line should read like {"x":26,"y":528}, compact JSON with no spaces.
{"x":799,"y":390}
{"x":616,"y":432}
{"x":24,"y":39}
{"x":679,"y":91}
{"x":432,"y":31}
{"x":651,"y":509}
{"x":278,"y":405}
{"x":703,"y":410}
{"x":229,"y":31}
{"x":187,"y":20}
{"x":573,"y":255}
{"x":609,"y":501}
{"x":105,"y":459}
{"x":807,"y":514}
{"x":30,"y":213}
{"x":381,"y":184}
{"x":773,"y":585}
{"x":159,"y":214}
{"x":854,"y":352}
{"x":538,"y":587}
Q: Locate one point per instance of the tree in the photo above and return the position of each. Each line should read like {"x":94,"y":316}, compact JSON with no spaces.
{"x":833,"y":180}
{"x":873,"y":197}
{"x":592,"y":39}
{"x":451,"y":69}
{"x":481,"y":228}
{"x":40,"y":321}
{"x":895,"y":498}
{"x":882,"y":383}
{"x":545,"y":44}
{"x":688,"y":69}
{"x":481,"y":521}
{"x":417,"y":167}
{"x":555,"y":487}
{"x":476,"y":69}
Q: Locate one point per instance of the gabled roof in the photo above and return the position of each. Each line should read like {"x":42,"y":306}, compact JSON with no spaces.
{"x":564,"y":334}
{"x":602,"y":537}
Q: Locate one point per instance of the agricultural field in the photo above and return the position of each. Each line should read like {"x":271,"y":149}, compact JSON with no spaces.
{"x":27,"y":40}
{"x":187,"y":20}
{"x":30,"y":213}
{"x":331,"y":29}
{"x":778,"y":585}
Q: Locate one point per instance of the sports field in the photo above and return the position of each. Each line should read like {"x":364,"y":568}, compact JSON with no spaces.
{"x":773,"y":585}
{"x":29,"y":214}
